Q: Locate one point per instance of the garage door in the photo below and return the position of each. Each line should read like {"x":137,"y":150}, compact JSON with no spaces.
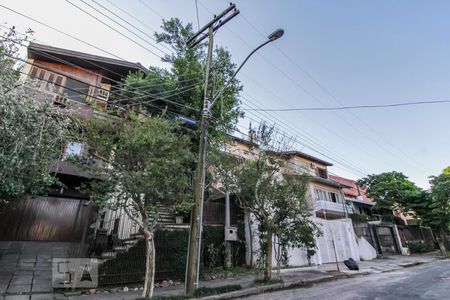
{"x":44,"y":219}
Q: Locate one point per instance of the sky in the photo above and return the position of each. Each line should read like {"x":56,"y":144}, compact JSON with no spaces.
{"x":333,"y":53}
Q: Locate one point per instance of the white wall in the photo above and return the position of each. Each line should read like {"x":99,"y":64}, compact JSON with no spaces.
{"x":341,"y":231}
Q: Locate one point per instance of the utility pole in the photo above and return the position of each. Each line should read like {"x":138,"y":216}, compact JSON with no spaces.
{"x":195,"y":235}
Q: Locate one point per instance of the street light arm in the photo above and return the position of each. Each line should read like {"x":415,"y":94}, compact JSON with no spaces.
{"x":235,"y":73}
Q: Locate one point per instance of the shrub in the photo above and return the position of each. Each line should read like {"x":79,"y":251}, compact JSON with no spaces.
{"x":420,"y":246}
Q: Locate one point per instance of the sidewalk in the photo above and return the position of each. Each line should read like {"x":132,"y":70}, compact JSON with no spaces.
{"x":293,"y":277}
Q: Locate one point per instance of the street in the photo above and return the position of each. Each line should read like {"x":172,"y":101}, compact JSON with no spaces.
{"x":430,"y":281}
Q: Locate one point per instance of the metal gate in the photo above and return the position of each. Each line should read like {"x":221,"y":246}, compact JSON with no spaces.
{"x":386,"y":239}
{"x":45,"y":219}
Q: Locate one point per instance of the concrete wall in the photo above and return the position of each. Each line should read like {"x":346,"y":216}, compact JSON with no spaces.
{"x":340,"y":231}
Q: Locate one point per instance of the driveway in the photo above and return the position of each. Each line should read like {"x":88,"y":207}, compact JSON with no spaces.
{"x":26,"y":267}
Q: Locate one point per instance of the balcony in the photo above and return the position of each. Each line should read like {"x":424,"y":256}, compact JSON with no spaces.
{"x":331,"y":208}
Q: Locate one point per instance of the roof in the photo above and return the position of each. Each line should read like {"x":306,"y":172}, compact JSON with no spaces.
{"x":352,"y":190}
{"x":111,"y":67}
{"x":244,"y":141}
{"x":328,"y":182}
{"x":305,"y":156}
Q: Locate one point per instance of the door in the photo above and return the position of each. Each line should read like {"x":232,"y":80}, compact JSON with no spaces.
{"x":44,"y":219}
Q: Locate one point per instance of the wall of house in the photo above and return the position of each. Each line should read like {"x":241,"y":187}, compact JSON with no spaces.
{"x":340,"y":231}
{"x":92,"y":78}
{"x":302,"y":165}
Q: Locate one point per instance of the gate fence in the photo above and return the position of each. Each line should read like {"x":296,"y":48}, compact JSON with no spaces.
{"x":417,"y":238}
{"x":120,"y":249}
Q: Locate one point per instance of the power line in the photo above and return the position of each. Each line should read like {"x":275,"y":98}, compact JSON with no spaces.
{"x":72,"y":36}
{"x":198,"y":18}
{"x":271,"y":64}
{"x":137,"y":28}
{"x":151,"y":9}
{"x":309,"y":142}
{"x":61,"y":32}
{"x":136,"y":19}
{"x":112,"y":80}
{"x":314,"y":146}
{"x":350,"y":142}
{"x":112,"y":28}
{"x":352,"y":107}
{"x":102,"y":100}
{"x":327,"y":91}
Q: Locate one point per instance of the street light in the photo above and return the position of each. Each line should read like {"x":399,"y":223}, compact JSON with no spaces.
{"x":272,"y":37}
{"x":194,"y":248}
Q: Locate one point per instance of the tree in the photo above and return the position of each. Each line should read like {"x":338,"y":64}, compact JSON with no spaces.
{"x":183,"y":84}
{"x":439,"y":216}
{"x":390,"y":190}
{"x":149,"y":166}
{"x":276,"y":198}
{"x":32,"y":130}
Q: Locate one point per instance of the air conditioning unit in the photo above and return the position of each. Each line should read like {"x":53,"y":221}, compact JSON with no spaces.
{"x":103,"y":94}
{"x":231,"y":234}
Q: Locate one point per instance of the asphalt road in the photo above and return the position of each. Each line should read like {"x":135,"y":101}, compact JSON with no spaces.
{"x":430,"y":281}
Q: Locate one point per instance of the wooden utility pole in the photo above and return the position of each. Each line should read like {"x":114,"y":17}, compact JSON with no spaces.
{"x":195,"y":234}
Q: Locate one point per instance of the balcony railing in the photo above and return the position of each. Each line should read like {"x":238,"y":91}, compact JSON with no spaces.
{"x":331,"y":207}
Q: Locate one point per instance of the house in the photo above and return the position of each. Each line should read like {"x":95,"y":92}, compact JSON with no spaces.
{"x":80,"y":84}
{"x":355,"y":196}
{"x":324,"y":193}
{"x":329,"y":210}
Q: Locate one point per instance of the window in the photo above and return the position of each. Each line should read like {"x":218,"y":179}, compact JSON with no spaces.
{"x":76,"y":90}
{"x":334,"y":197}
{"x":327,"y":196}
{"x":322,"y":173}
{"x":321,"y":195}
{"x":50,"y":81}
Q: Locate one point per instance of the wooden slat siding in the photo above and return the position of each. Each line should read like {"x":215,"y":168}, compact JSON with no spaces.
{"x":44,"y":219}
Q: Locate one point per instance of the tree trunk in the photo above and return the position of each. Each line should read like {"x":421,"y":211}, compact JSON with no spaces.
{"x":268,"y":268}
{"x":149,"y":282}
{"x":441,"y":243}
{"x":278,"y":257}
{"x":248,"y":221}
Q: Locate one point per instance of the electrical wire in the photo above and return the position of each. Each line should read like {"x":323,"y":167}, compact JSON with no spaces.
{"x":327,"y":91}
{"x":151,"y":9}
{"x":134,"y":18}
{"x":49,"y":26}
{"x":94,"y":73}
{"x":102,"y":100}
{"x":352,"y":107}
{"x":72,"y":36}
{"x":112,"y":28}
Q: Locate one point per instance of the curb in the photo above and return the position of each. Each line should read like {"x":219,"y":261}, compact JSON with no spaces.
{"x":302,"y":283}
{"x":281,"y":286}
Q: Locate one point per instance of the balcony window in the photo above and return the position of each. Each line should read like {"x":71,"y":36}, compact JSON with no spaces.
{"x":322,"y":195}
